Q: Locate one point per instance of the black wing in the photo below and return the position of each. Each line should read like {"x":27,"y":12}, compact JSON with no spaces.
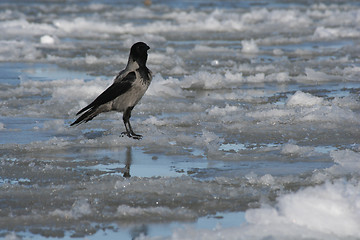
{"x":112,"y":92}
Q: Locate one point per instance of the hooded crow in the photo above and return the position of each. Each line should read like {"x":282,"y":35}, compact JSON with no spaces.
{"x":126,"y":91}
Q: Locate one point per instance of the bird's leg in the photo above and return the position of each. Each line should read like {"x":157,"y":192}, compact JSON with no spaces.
{"x":126,"y":118}
{"x":127,"y":132}
{"x":134,"y":135}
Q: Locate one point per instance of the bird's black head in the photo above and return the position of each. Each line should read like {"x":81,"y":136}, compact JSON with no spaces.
{"x":138,"y":52}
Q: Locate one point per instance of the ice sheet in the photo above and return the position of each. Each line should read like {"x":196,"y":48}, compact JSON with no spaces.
{"x":251,"y":123}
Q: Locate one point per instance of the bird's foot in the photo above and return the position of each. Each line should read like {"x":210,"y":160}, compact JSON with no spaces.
{"x":131,"y":135}
{"x":136,"y":136}
{"x":125,"y":134}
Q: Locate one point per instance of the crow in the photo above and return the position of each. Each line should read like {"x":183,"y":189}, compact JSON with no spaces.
{"x":126,"y":91}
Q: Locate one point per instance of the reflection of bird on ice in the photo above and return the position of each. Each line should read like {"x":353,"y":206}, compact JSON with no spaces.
{"x":128,"y":161}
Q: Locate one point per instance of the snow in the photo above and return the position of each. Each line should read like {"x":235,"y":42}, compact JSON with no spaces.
{"x":79,"y":209}
{"x":346,"y":161}
{"x":304,"y":99}
{"x":250,"y":125}
{"x":46,"y":39}
{"x":312,"y":212}
{"x":249,"y":46}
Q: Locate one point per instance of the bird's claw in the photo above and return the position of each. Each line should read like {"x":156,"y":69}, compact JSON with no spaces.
{"x":131,"y":135}
{"x":136,"y":136}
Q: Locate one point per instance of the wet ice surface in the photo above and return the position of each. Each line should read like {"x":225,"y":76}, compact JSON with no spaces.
{"x":251,"y":123}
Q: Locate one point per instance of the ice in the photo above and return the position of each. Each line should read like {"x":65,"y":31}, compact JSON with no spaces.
{"x":318,"y":76}
{"x":24,"y":28}
{"x":18,"y":50}
{"x":216,"y":111}
{"x":250,"y":125}
{"x":154,"y":213}
{"x":314,"y":211}
{"x":79,"y":209}
{"x":249,"y":46}
{"x":346,"y":161}
{"x":47,"y":39}
{"x":310,"y":213}
{"x":328,"y":33}
{"x":291,"y":148}
{"x":12,"y":236}
{"x":304,"y":99}
{"x":203,"y":80}
{"x":165,"y":87}
{"x":154,"y":121}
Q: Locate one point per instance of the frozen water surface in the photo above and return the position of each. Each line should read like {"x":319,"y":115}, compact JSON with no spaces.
{"x":251,"y":124}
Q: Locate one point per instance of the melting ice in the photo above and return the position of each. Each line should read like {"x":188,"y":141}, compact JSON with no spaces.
{"x":251,"y":124}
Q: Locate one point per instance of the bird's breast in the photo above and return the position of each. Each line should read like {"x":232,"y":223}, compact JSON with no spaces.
{"x":131,"y":97}
{"x":144,"y":74}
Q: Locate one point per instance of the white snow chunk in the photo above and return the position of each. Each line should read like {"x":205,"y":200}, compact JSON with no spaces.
{"x":47,"y":39}
{"x":304,"y":99}
{"x":249,"y":46}
{"x":79,"y":209}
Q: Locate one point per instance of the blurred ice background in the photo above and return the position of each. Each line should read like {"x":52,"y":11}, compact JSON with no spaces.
{"x":251,"y":125}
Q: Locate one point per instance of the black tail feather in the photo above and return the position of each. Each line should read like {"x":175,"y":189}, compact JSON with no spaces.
{"x":84,"y":109}
{"x":85,"y":117}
